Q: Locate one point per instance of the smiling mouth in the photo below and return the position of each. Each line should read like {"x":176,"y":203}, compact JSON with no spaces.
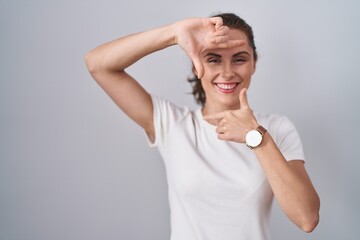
{"x":227,"y":87}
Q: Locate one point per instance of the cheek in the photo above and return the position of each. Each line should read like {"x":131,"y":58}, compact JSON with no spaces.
{"x":210,"y":72}
{"x":205,"y":83}
{"x":247,"y":71}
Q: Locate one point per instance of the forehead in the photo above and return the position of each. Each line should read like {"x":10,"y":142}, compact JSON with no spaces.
{"x":234,"y":34}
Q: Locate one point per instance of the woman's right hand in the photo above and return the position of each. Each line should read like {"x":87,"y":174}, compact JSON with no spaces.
{"x":195,"y":35}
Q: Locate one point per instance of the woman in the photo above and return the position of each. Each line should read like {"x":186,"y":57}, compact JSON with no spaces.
{"x":224,"y":163}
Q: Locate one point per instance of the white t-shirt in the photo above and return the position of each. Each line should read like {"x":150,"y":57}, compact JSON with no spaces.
{"x":217,"y":189}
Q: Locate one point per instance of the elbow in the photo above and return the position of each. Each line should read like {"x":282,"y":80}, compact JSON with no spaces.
{"x":311,"y":217}
{"x":310,"y":223}
{"x":96,"y":64}
{"x":90,"y":62}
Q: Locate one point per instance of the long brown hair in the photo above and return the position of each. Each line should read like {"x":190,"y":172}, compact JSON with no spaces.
{"x":230,"y":20}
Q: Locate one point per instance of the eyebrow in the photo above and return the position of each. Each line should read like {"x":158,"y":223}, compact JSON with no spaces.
{"x":219,"y":56}
{"x":240,"y":53}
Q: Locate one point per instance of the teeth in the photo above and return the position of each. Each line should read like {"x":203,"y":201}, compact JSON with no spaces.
{"x":226,"y":86}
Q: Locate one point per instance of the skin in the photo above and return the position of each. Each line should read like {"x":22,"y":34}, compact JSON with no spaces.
{"x":222,"y":58}
{"x":226,"y":67}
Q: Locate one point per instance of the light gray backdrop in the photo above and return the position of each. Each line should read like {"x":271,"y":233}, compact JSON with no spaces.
{"x":73,"y":166}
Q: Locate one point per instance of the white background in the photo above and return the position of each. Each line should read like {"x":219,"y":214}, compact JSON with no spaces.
{"x":73,"y":166}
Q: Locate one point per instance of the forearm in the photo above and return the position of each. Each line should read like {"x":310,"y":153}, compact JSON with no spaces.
{"x":292,"y":188}
{"x":118,"y":54}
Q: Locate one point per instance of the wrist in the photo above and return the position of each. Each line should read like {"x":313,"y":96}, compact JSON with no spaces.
{"x":175,"y":31}
{"x":254,"y":137}
{"x":172,"y":33}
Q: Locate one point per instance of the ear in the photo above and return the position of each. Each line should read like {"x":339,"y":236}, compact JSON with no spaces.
{"x":195,"y":72}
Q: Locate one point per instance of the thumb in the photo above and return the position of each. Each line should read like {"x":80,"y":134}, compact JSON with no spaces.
{"x":199,"y":69}
{"x":244,"y":105}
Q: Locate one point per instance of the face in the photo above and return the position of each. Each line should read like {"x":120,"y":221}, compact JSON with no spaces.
{"x":227,"y":71}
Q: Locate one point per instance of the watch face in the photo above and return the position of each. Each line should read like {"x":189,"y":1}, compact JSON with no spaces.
{"x":253,"y":138}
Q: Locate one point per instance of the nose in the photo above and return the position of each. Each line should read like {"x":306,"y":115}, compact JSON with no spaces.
{"x":227,"y":72}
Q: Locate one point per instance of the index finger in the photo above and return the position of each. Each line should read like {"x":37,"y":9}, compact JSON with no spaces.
{"x":231,"y":44}
{"x":215,"y":116}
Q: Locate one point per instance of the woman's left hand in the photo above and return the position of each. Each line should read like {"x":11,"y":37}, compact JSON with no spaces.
{"x":232,"y":125}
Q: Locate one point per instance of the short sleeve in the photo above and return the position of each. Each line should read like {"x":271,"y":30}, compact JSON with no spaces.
{"x":288,"y":140}
{"x":165,"y":116}
{"x":285,"y":135}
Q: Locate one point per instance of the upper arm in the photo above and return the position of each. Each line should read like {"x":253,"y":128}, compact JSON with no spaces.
{"x":130,"y":96}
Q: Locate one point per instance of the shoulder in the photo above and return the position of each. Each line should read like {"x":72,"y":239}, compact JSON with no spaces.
{"x":168,"y":110}
{"x":271,"y":119}
{"x":284,"y":133}
{"x":166,"y":117}
{"x":276,"y":124}
{"x":167,"y":104}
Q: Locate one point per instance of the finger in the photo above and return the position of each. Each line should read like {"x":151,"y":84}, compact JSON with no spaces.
{"x":221,"y":39}
{"x":198,"y":67}
{"x":221,"y":127}
{"x":219,"y":130}
{"x":217,"y":21}
{"x":231,"y":44}
{"x":223,"y":30}
{"x":244,"y":105}
{"x":222,"y":122}
{"x":236,"y":43}
{"x":222,"y":136}
{"x":215,"y":116}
